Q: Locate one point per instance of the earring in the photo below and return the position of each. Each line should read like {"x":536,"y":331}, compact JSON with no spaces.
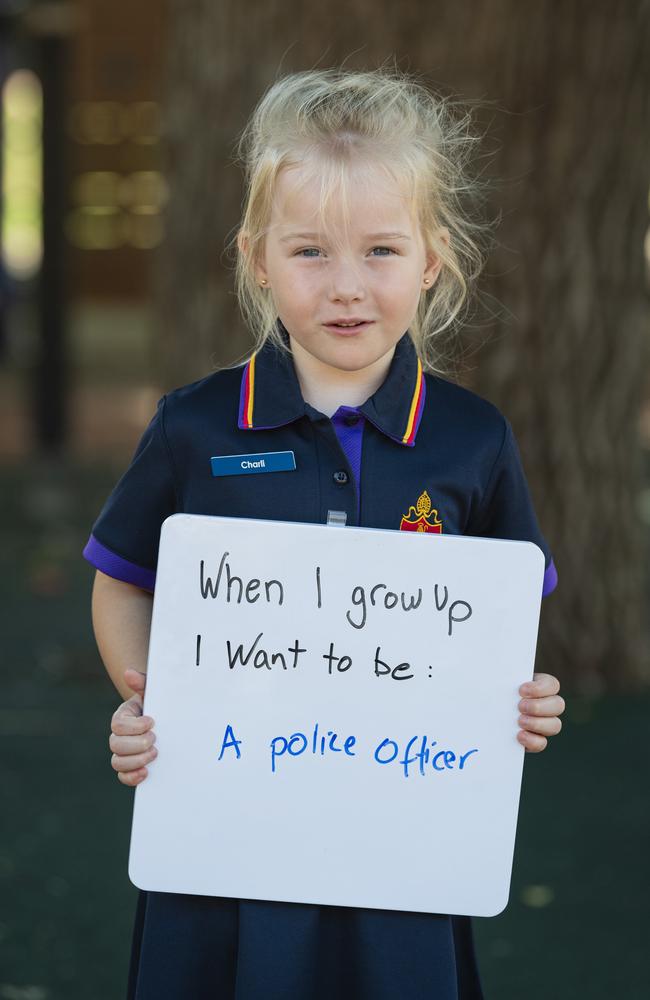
{"x":263,"y":281}
{"x":427,"y":280}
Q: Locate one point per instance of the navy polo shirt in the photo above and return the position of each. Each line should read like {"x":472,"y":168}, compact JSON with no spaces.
{"x":421,"y":454}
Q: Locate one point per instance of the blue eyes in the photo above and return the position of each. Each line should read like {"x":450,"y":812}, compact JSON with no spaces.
{"x":311,"y":252}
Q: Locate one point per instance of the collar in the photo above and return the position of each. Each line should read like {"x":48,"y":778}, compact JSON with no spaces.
{"x":270,"y":393}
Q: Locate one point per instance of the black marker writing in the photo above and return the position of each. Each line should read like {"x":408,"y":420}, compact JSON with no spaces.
{"x":210,"y":589}
{"x":261,"y":658}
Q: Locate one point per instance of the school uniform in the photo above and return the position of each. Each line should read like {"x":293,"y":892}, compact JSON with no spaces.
{"x":421,"y":454}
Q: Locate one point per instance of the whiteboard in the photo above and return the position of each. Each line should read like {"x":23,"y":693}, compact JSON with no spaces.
{"x":336,"y":714}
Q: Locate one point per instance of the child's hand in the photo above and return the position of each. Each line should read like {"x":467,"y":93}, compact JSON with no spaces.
{"x":132,"y":736}
{"x":540,"y":707}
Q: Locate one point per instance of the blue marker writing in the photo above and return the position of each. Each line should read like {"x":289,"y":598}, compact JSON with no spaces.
{"x":229,"y":741}
{"x":387,"y":751}
{"x":321,"y":745}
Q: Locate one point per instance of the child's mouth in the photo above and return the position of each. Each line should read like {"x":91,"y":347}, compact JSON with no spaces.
{"x":348,"y":329}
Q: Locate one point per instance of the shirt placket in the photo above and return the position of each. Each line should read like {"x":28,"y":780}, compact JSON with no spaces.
{"x":338,"y":457}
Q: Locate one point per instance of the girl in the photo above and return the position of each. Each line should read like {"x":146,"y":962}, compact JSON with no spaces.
{"x":353,"y":256}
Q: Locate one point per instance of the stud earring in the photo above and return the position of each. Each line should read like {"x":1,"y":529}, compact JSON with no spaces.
{"x":263,"y":281}
{"x":427,"y":280}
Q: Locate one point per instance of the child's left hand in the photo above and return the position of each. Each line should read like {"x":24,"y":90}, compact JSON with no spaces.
{"x":540,"y":707}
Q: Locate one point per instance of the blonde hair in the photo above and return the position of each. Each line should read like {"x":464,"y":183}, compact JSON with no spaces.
{"x":388,"y":119}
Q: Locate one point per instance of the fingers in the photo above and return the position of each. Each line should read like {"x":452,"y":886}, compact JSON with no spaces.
{"x":540,"y":686}
{"x":544,"y":727}
{"x":128,"y":720}
{"x":532,"y":742}
{"x":132,"y":739}
{"x":131,"y":778}
{"x":542,"y":707}
{"x":136,"y":680}
{"x":131,"y":754}
{"x":132,"y":762}
{"x":129,"y":745}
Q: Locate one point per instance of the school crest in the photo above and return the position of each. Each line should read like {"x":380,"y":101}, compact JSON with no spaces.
{"x":422,"y":517}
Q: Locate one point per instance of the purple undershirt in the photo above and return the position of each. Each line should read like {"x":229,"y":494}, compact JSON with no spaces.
{"x":348,"y":424}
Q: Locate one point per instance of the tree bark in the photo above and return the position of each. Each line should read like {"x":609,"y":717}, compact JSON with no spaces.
{"x":571,"y":367}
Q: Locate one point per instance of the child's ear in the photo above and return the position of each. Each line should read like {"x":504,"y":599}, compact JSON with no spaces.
{"x":434,"y":261}
{"x":243,"y":243}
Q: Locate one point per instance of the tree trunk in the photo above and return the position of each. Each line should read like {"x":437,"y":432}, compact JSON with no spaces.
{"x":566,"y":352}
{"x":571,"y":366}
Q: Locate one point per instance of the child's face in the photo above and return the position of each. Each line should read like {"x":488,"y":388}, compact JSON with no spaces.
{"x":374,"y":272}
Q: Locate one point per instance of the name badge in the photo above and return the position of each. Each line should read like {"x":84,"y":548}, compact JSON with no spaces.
{"x":241,"y":465}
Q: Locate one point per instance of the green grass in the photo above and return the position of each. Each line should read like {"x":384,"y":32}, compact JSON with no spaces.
{"x":577,"y":922}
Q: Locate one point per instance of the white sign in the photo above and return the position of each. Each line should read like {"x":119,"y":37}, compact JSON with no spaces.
{"x":336,"y":714}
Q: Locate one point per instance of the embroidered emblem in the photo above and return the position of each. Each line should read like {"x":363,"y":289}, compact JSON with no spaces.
{"x":422,"y":517}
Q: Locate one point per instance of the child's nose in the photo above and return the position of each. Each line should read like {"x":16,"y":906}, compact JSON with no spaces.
{"x":346,"y":283}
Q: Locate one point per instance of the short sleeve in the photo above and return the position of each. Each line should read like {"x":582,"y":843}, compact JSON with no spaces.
{"x":507,"y":509}
{"x":125,"y":537}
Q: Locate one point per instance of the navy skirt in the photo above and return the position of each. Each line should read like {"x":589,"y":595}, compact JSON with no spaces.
{"x":212,"y":948}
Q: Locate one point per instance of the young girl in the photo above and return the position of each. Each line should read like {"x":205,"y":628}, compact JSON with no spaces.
{"x":353,"y":256}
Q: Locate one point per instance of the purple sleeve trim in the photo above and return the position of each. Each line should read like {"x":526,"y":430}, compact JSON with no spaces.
{"x":550,"y":579}
{"x":117,"y":567}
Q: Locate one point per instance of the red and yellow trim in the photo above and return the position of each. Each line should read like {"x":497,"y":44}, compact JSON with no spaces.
{"x":248,"y":395}
{"x":247,"y":402}
{"x":416,"y":408}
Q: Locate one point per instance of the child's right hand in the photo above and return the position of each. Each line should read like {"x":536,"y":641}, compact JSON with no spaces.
{"x":132,"y":736}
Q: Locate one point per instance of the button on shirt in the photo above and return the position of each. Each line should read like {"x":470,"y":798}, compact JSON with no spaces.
{"x":418,"y":444}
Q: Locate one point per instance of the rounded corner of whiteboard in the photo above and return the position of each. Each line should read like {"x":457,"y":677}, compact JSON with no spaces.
{"x":540,"y":550}
{"x":174,"y":517}
{"x":537,"y":553}
{"x":171,"y":520}
{"x":134,"y":875}
{"x":497,"y":906}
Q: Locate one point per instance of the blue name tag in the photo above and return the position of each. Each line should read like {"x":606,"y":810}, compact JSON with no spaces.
{"x":239,"y":465}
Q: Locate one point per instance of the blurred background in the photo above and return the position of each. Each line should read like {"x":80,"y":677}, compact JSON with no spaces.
{"x":119,"y":193}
